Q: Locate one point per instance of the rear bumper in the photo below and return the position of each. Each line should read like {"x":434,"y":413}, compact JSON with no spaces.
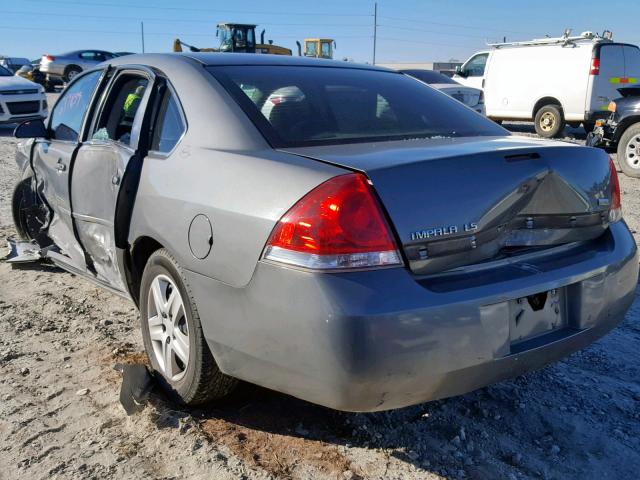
{"x":367,"y":341}
{"x":52,"y":69}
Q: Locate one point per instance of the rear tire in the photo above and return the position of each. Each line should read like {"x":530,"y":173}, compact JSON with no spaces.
{"x":629,"y":151}
{"x":173,"y":336}
{"x":549,"y":121}
{"x":71,"y":72}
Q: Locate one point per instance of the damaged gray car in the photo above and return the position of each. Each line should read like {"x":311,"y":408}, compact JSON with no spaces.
{"x":338,"y":232}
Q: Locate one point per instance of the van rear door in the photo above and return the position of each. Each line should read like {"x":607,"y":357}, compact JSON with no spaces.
{"x":607,"y":70}
{"x":631,"y":65}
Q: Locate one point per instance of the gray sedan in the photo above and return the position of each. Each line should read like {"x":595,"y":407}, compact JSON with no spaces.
{"x":338,"y":232}
{"x":67,"y":65}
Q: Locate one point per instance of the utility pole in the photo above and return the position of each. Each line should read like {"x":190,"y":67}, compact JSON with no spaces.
{"x":375,"y":30}
{"x":142,"y":34}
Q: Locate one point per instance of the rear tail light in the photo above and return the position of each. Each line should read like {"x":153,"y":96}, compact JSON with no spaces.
{"x":337,"y":225}
{"x":615,"y":213}
{"x":48,"y":57}
{"x":595,"y":66}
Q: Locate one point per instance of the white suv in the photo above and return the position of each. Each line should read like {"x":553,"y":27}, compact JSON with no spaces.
{"x":20,"y":99}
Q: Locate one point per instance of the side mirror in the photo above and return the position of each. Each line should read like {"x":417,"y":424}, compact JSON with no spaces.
{"x":460,"y":72}
{"x":31,"y":129}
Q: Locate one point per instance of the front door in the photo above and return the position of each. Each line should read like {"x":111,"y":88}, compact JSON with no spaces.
{"x":473,"y":71}
{"x":101,"y":167}
{"x":53,"y":157}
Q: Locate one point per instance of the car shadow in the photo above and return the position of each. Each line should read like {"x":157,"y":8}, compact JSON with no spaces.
{"x":258,"y":424}
{"x":527,"y":128}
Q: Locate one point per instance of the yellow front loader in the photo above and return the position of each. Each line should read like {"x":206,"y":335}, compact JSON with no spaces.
{"x":236,"y":38}
{"x":317,"y":47}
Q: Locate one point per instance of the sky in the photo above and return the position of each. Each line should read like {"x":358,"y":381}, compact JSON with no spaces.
{"x":407,"y":30}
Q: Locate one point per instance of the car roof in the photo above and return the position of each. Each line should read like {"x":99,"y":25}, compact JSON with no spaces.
{"x":237,"y":59}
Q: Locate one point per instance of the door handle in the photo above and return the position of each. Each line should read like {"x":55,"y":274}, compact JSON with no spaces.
{"x":61,"y":167}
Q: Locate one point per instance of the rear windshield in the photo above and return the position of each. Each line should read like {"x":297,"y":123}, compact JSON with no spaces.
{"x":302,"y":106}
{"x":429,"y":76}
{"x":4,"y":72}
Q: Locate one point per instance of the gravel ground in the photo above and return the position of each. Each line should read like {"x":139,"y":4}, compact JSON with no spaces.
{"x":60,"y":416}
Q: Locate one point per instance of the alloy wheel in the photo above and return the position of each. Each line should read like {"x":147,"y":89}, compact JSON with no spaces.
{"x":632,"y":152}
{"x":168,"y":327}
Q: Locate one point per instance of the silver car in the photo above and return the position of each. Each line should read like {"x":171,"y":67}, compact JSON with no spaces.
{"x":13,"y":64}
{"x":471,"y":97}
{"x":67,"y":65}
{"x":364,"y":243}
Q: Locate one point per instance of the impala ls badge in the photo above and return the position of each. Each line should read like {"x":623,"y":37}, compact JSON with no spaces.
{"x":443,"y":231}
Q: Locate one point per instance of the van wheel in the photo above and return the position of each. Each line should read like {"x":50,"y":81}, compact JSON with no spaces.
{"x":629,"y":151}
{"x":173,"y":337}
{"x":549,"y":122}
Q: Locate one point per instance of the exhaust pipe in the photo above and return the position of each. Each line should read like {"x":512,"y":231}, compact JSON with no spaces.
{"x":299,"y":48}
{"x":262,"y":37}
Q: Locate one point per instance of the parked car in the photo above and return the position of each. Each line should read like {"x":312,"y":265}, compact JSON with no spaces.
{"x":13,"y":64}
{"x":552,"y":81}
{"x":20,"y":99}
{"x":68,"y":65}
{"x":371,"y":245}
{"x":621,"y":131}
{"x":471,"y":97}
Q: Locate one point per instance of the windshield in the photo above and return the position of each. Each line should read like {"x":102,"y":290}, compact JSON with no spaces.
{"x":4,"y":72}
{"x":429,"y":76}
{"x":300,"y":106}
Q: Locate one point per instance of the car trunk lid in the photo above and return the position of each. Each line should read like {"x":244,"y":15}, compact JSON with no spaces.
{"x":467,"y":95}
{"x":461,"y":201}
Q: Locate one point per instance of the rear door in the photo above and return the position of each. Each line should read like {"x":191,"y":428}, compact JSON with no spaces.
{"x":90,"y":58}
{"x":107,"y":163}
{"x":607,"y":81}
{"x":631,"y":64}
{"x":53,"y":157}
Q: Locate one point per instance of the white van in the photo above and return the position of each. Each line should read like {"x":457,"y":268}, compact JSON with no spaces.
{"x":552,"y":81}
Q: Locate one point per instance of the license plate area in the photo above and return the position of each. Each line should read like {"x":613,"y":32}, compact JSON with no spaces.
{"x":536,"y":315}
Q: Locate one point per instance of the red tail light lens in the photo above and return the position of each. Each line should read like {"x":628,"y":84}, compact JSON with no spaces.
{"x":50,"y":58}
{"x":615,"y":213}
{"x":595,"y":66}
{"x":339,"y":224}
